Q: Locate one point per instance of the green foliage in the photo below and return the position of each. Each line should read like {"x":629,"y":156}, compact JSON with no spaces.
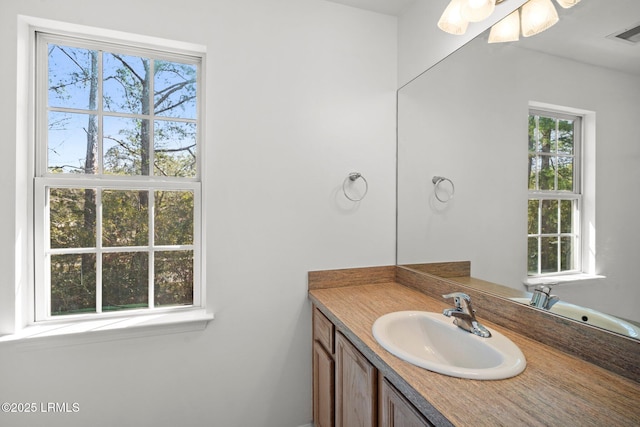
{"x":125,"y":280}
{"x":173,"y":218}
{"x":173,"y":278}
{"x":71,"y":211}
{"x":550,"y":153}
{"x":125,"y":218}
{"x":73,"y":283}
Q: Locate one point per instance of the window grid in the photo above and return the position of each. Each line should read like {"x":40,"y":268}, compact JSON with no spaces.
{"x":100,"y":249}
{"x":572,"y":263}
{"x":554,"y":234}
{"x":147,"y":183}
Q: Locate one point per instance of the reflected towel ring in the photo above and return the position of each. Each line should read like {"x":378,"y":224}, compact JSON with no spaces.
{"x":437,"y":180}
{"x":353,"y":176}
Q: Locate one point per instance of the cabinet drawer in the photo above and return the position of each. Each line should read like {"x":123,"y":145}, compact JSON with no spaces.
{"x":323,"y":330}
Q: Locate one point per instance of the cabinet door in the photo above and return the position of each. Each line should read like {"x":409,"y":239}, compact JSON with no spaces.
{"x":396,"y":411}
{"x":323,"y":387}
{"x":356,"y":387}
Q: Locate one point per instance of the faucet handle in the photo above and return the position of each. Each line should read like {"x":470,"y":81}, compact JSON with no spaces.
{"x":460,"y":299}
{"x":544,"y":287}
{"x":542,"y":297}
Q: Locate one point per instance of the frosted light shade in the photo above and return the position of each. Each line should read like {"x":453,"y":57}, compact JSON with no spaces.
{"x":568,"y":3}
{"x":537,"y":16}
{"x":477,"y":10}
{"x":451,"y":20}
{"x":507,"y":30}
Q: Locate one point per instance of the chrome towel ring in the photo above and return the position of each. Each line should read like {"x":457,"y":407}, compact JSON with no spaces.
{"x":352,"y":177}
{"x":437,"y":180}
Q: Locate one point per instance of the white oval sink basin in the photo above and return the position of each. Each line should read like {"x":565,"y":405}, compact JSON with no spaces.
{"x":590,"y":317}
{"x":432,"y":341}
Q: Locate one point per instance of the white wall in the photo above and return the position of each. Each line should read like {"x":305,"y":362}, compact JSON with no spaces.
{"x":299,"y":93}
{"x":465,"y":118}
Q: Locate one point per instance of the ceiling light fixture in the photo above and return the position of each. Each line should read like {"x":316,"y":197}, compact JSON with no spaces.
{"x":568,"y":3}
{"x":537,"y":16}
{"x":477,"y":10}
{"x":507,"y":30}
{"x":451,"y":20}
{"x":531,"y":18}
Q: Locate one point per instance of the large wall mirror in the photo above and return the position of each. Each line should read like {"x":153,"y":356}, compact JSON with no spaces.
{"x":466,"y":119}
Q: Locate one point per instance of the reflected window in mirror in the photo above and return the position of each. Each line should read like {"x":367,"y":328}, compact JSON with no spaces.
{"x":555,"y":196}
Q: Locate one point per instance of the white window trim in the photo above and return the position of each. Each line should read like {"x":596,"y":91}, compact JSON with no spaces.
{"x":559,"y":279}
{"x":588,"y":270}
{"x":17,"y":324}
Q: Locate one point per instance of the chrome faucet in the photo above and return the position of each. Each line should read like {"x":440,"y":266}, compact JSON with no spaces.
{"x":542,"y":297}
{"x":464,"y":315}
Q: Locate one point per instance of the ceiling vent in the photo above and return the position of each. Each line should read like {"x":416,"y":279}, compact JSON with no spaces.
{"x":629,"y":35}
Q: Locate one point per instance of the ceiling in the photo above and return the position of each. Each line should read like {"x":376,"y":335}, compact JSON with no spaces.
{"x":581,"y":33}
{"x":388,"y":7}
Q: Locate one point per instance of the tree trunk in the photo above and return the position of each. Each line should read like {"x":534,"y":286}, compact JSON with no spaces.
{"x":90,"y":164}
{"x":145,"y":132}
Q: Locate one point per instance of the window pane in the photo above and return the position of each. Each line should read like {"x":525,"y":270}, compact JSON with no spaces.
{"x":549,"y":217}
{"x":125,"y":278}
{"x":72,"y":213}
{"x":175,"y":89}
{"x":532,"y":255}
{"x":533,"y":132}
{"x":70,"y":138}
{"x":125,"y":220}
{"x":175,"y":149}
{"x":565,"y":136}
{"x":533,"y":216}
{"x":566,"y":216}
{"x":547,"y":134}
{"x":73,"y":283}
{"x":565,"y":173}
{"x":566,"y":253}
{"x":549,"y":254}
{"x":547,"y":175}
{"x":173,"y":278}
{"x":126,"y":84}
{"x":73,"y":77}
{"x":173,"y":217}
{"x":534,"y":169}
{"x":126,"y":146}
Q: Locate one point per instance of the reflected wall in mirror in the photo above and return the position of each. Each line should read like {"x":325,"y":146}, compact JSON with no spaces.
{"x":466,"y":119}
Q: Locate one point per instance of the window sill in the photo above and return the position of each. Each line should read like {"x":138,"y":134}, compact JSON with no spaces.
{"x":558,"y":280}
{"x":57,"y":334}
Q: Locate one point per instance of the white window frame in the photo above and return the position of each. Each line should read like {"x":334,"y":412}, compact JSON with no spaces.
{"x":574,"y":195}
{"x":32,"y":301}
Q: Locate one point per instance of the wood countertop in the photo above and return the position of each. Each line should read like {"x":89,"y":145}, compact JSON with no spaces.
{"x":556,"y":389}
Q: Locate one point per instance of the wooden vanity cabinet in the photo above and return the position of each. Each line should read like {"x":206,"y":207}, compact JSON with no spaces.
{"x":356,"y":387}
{"x":323,"y":371}
{"x":347,"y":390}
